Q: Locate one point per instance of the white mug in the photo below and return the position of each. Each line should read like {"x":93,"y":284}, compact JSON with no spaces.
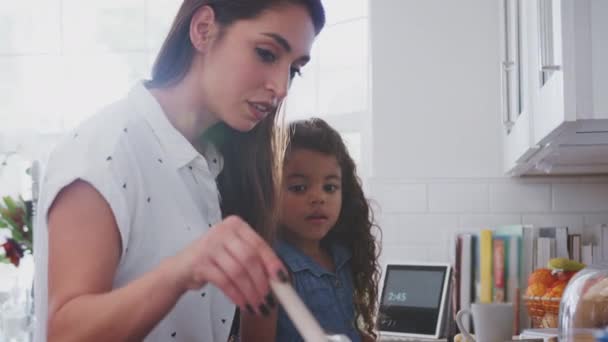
{"x":493,"y":322}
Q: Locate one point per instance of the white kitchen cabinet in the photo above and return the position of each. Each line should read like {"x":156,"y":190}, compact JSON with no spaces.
{"x":555,"y":86}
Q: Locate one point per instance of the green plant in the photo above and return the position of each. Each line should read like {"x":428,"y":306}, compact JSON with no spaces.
{"x":16,"y":217}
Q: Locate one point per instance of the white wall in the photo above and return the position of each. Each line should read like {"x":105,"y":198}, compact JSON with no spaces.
{"x":437,"y":148}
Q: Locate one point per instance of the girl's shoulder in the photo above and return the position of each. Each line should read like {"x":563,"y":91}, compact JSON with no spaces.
{"x":291,"y":256}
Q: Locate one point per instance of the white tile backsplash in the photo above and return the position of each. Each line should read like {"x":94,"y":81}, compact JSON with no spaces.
{"x":593,"y":219}
{"x":395,"y":197}
{"x":581,"y":197}
{"x":594,"y":180}
{"x":481,"y":221}
{"x":403,"y":253}
{"x":415,"y":231}
{"x":439,"y":253}
{"x":457,"y":198}
{"x":519,"y":197}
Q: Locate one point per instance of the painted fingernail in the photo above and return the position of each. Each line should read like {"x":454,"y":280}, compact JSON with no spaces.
{"x":282,"y":276}
{"x":264,"y":310}
{"x":270,"y":301}
{"x":250,"y":309}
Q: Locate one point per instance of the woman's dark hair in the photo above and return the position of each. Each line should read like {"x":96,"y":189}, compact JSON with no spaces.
{"x":355,"y":224}
{"x":252,"y":160}
{"x":175,"y":56}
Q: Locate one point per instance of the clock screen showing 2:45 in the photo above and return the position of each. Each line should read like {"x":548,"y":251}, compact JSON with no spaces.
{"x":413,"y":288}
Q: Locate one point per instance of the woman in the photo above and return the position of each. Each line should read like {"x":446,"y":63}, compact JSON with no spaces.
{"x":131,"y":242}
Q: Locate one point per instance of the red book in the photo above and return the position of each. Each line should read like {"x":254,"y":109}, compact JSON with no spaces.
{"x":499,"y":270}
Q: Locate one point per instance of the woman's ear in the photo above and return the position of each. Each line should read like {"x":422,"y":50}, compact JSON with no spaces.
{"x":203,"y":28}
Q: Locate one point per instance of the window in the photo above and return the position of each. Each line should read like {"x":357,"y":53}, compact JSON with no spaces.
{"x":335,"y":84}
{"x":51,"y":50}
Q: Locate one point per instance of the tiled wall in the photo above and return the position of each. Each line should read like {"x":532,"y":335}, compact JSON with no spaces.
{"x":419,"y":218}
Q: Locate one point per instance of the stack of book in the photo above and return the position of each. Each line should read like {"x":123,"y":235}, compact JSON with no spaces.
{"x":493,"y":265}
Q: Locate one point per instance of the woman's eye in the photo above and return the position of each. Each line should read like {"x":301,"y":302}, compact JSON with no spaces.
{"x":294,"y":71}
{"x":265,"y":55}
{"x":296,"y":188}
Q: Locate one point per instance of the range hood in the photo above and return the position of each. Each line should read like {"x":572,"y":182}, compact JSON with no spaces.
{"x":578,"y":148}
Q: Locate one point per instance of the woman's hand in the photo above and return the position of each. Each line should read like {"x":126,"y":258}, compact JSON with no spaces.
{"x":233,"y":257}
{"x":367,"y":338}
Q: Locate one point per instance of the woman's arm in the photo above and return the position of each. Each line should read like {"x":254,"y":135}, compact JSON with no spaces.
{"x":84,"y":251}
{"x":260,"y":328}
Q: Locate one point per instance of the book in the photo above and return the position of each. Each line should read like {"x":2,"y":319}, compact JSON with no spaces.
{"x":601,"y":235}
{"x":560,"y":235}
{"x":529,"y":245}
{"x":574,"y":247}
{"x":545,"y":251}
{"x":485,"y":266}
{"x":513,"y":281}
{"x":519,"y":265}
{"x":466,"y":276}
{"x":597,"y":236}
{"x":456,"y":274}
{"x":499,"y":269}
{"x":587,"y":254}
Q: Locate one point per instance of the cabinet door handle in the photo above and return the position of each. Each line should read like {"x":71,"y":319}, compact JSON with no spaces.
{"x":507,"y":123}
{"x":551,"y":68}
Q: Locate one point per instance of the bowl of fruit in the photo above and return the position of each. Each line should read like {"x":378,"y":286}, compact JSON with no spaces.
{"x":545,"y":289}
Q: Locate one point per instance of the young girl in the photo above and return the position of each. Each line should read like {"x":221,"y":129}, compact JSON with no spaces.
{"x":132,"y":242}
{"x":325,"y":239}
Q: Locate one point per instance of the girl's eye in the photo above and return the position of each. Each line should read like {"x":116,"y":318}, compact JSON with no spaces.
{"x":331,"y":188}
{"x":296,"y":188}
{"x":265,"y":55}
{"x":294,"y":71}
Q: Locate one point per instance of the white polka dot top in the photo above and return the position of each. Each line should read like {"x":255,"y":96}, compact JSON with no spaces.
{"x":163,"y":195}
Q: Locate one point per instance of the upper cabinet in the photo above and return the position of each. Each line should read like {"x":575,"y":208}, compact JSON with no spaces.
{"x":555,"y":86}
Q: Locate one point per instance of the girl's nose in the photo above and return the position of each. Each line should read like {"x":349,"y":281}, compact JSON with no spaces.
{"x":317,"y":198}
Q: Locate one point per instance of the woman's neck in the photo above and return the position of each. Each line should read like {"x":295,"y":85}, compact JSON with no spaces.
{"x":184,"y":108}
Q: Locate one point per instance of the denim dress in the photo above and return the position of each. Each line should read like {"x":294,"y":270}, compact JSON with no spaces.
{"x":328,"y":295}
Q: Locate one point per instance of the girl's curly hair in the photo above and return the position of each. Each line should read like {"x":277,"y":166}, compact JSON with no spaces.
{"x":355,"y":224}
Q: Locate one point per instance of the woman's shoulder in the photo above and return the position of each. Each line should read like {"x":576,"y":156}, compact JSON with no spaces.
{"x":92,"y":145}
{"x":98,"y":152}
{"x":101,"y":141}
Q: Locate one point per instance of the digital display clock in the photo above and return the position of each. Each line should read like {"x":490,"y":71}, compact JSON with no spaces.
{"x":413,"y":299}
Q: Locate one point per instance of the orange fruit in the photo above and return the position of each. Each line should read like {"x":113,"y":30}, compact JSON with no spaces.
{"x":566,"y":275}
{"x":557,"y":290}
{"x":542,"y":276}
{"x":536,"y":290}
